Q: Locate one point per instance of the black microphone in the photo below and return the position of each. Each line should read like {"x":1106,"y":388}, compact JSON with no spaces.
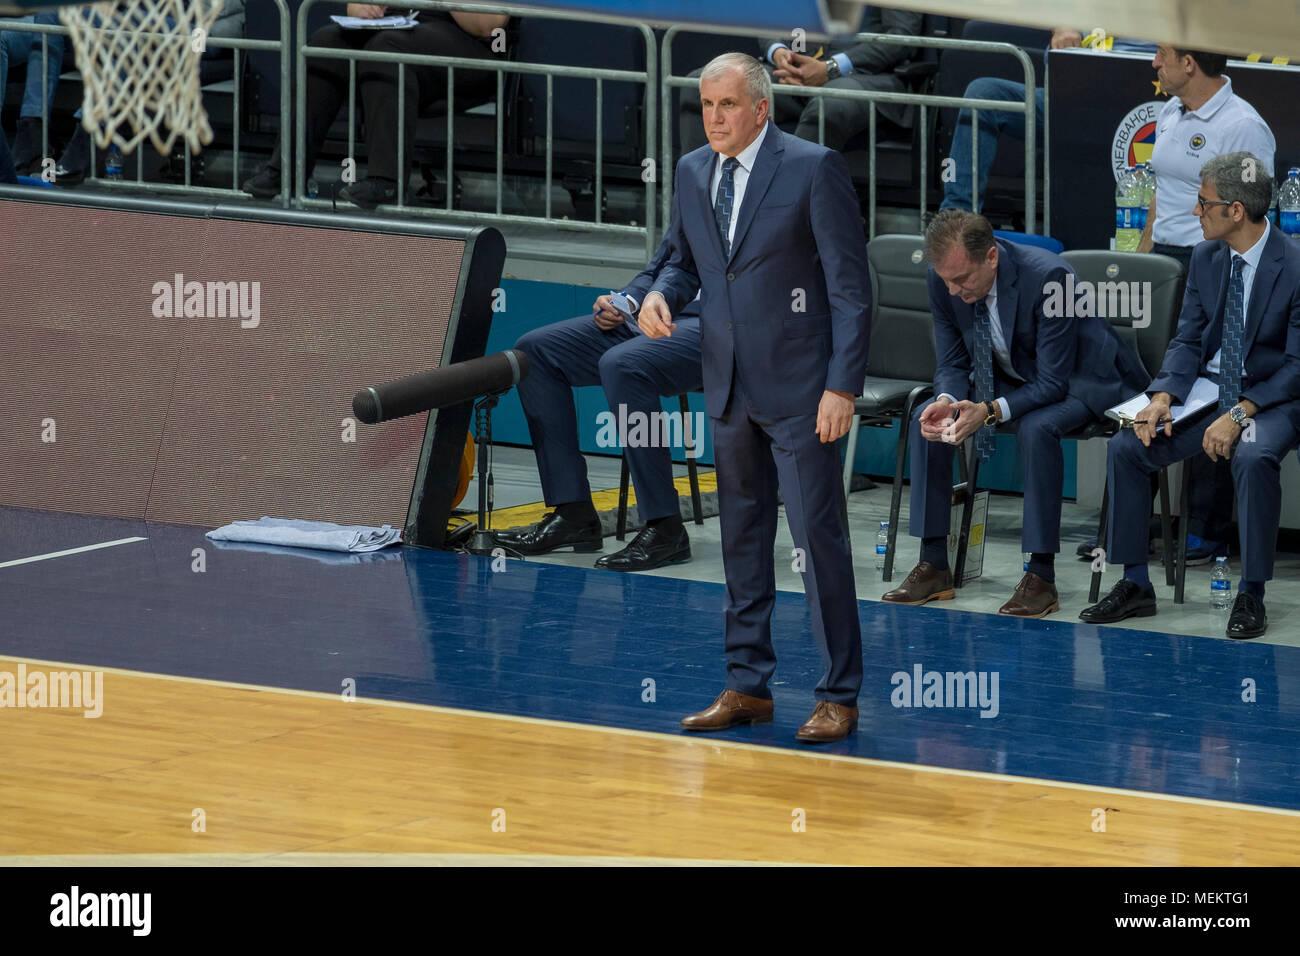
{"x":441,"y":387}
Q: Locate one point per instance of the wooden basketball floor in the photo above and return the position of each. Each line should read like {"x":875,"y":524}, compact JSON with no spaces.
{"x":502,"y":717}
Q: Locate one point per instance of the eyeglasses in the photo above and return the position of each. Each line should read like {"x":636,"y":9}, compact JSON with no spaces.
{"x":1202,"y":203}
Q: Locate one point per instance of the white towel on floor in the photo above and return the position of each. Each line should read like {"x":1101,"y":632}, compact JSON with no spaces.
{"x":322,"y":535}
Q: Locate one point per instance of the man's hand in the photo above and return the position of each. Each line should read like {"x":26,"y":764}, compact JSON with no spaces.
{"x":654,"y":318}
{"x":1063,"y":37}
{"x":1146,"y":422}
{"x":934,"y":418}
{"x":970,"y":419}
{"x":1220,"y":437}
{"x":607,"y":317}
{"x":834,"y":415}
{"x":803,"y":70}
{"x":781,"y":58}
{"x":366,"y":11}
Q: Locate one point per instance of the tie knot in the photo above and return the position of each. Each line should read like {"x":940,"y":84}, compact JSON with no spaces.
{"x":729,"y":166}
{"x":1238,"y":263}
{"x":981,"y":309}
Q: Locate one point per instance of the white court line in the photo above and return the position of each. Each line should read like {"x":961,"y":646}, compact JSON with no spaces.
{"x":61,"y":554}
{"x":689,"y":743}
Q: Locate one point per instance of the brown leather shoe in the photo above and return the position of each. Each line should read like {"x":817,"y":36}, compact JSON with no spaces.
{"x":828,"y":722}
{"x":925,"y":583}
{"x":1034,"y":597}
{"x":731,"y":709}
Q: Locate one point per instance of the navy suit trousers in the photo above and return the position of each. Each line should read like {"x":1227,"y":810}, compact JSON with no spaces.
{"x":1256,"y":477}
{"x":635,"y":371}
{"x":753,"y":454}
{"x":1042,"y":472}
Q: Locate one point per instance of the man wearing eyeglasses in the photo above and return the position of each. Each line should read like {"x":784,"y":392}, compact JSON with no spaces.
{"x":1240,"y":326}
{"x":1204,"y":118}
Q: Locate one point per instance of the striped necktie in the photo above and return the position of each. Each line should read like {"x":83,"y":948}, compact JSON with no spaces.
{"x":725,"y":200}
{"x":985,"y":440}
{"x":1234,"y":323}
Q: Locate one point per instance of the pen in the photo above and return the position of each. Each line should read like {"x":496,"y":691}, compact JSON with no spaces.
{"x":1133,"y":424}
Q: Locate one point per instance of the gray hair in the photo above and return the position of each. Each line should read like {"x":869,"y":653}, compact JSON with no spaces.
{"x":757,"y":82}
{"x":1240,"y":177}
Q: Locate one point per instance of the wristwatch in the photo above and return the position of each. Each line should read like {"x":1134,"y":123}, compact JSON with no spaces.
{"x":992,"y":417}
{"x":832,"y":68}
{"x":1237,"y":414}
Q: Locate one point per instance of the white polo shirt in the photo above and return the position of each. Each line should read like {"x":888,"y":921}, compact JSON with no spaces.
{"x":1186,"y":141}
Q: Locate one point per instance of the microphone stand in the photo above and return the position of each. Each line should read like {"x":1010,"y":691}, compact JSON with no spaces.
{"x":483,"y":541}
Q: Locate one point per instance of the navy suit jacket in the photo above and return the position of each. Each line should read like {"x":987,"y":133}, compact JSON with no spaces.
{"x":1271,"y":344}
{"x":1056,"y":356}
{"x":639,"y":286}
{"x":791,"y":306}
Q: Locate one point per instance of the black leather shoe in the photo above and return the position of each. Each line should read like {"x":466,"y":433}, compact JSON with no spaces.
{"x":1126,"y":599}
{"x":1247,"y":618}
{"x":370,"y":193}
{"x":651,"y":548}
{"x":551,"y":534}
{"x":265,"y":185}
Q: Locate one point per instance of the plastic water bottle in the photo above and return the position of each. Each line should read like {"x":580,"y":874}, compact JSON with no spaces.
{"x":882,"y":545}
{"x":1150,"y":176}
{"x":1288,"y":203}
{"x":1026,"y":556}
{"x":1129,"y":211}
{"x":1220,"y":585}
{"x":113,"y":164}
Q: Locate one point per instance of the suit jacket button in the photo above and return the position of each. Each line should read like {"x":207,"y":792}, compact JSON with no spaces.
{"x":731,"y":276}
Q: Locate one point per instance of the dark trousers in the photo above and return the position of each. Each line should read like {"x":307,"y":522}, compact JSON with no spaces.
{"x":7,"y":172}
{"x":1209,"y":489}
{"x":327,"y":87}
{"x":1256,"y":476}
{"x":1042,"y":473}
{"x":1182,"y":253}
{"x":753,"y":454}
{"x":635,"y":371}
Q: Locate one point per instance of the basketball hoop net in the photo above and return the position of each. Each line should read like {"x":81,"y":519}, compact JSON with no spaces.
{"x":139,"y":62}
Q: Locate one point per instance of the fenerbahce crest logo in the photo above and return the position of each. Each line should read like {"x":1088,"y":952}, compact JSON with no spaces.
{"x":1135,"y":137}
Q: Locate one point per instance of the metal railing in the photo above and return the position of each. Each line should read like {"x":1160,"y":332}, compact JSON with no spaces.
{"x":647,"y":77}
{"x":657,"y":79}
{"x":921,"y":100}
{"x":235,"y":44}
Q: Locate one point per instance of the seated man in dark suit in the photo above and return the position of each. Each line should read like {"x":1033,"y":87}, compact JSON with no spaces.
{"x":1240,"y":327}
{"x":847,"y":64}
{"x":605,"y":349}
{"x":1002,"y":336}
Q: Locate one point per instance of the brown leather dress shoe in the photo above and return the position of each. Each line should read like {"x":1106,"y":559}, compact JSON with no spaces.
{"x":1034,"y":597}
{"x":731,"y":709}
{"x":925,"y":583}
{"x":828,"y":722}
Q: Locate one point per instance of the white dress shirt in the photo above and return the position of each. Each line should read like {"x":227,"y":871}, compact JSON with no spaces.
{"x":1252,"y":257}
{"x":740,"y":176}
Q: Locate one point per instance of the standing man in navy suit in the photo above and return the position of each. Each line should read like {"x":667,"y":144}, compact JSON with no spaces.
{"x":1008,"y":349}
{"x":766,"y":227}
{"x":1240,"y":326}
